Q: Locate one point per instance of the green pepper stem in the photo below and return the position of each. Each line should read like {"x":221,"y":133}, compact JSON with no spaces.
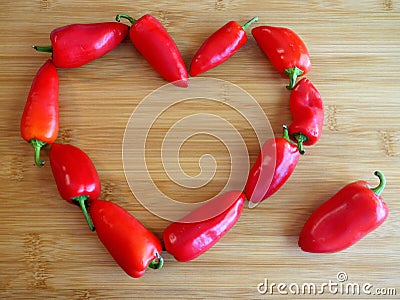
{"x":286,"y":133}
{"x":292,"y":73}
{"x":43,"y":48}
{"x":382,"y":182}
{"x":129,"y":18}
{"x":81,"y":200}
{"x":245,"y":26}
{"x":157,"y":263}
{"x":37,"y":145}
{"x":300,"y":138}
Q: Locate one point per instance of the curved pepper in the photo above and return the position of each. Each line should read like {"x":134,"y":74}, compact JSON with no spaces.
{"x":78,"y":44}
{"x":131,"y":245}
{"x":344,"y":219}
{"x":75,"y":175}
{"x":155,"y":44}
{"x":187,"y":240}
{"x":39,"y":121}
{"x":273,"y":167}
{"x":307,"y":111}
{"x":286,"y":51}
{"x":220,"y":46}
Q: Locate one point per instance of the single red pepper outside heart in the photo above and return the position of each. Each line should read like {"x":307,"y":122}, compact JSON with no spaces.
{"x":307,"y":111}
{"x":132,"y":246}
{"x":286,"y":51}
{"x":274,"y":165}
{"x":155,"y":44}
{"x":187,"y":240}
{"x":39,"y":122}
{"x":78,"y":44}
{"x":220,"y":46}
{"x":75,"y":176}
{"x":344,"y":219}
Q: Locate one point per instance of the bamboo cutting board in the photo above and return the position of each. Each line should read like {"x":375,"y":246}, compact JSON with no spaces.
{"x":46,"y":249}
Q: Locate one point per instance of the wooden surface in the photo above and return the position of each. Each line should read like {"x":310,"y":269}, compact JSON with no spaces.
{"x":47,"y":251}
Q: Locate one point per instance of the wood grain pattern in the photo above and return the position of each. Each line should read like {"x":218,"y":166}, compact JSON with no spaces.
{"x":46,"y":250}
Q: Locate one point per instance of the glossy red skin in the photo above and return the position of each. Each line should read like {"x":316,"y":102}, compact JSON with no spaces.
{"x":78,"y":44}
{"x":279,"y":157}
{"x":74,"y":172}
{"x":284,"y":48}
{"x":40,"y":117}
{"x":307,"y":110}
{"x":187,"y":241}
{"x":131,"y":245}
{"x":155,"y":44}
{"x":343,"y":220}
{"x":220,"y":46}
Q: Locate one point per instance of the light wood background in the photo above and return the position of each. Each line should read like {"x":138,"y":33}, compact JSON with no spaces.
{"x":46,"y":249}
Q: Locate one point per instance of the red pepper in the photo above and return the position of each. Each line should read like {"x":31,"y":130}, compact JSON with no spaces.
{"x":75,"y":175}
{"x":308,"y":114}
{"x":274,"y":165}
{"x":220,"y":46}
{"x":77,"y":44}
{"x":186,"y":240}
{"x":155,"y":44}
{"x":131,"y":245}
{"x":344,"y":219}
{"x":286,"y":51}
{"x":39,"y":122}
